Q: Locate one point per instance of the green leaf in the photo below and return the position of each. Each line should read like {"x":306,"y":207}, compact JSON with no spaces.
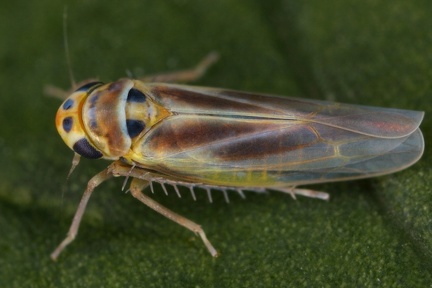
{"x":373,"y":232}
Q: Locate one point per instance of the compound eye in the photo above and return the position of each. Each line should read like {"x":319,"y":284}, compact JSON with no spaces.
{"x":87,"y":86}
{"x":86,"y":150}
{"x":68,"y":104}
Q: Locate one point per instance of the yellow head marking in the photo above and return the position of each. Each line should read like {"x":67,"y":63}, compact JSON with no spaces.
{"x":69,"y":123}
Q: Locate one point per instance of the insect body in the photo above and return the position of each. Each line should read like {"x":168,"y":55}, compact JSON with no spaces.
{"x":222,"y":139}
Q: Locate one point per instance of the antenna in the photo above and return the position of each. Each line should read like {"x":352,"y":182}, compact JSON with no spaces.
{"x":77,"y":157}
{"x":66,"y":44}
{"x":54,"y":91}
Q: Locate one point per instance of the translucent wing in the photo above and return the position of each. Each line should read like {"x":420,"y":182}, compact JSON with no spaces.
{"x":238,"y":139}
{"x":374,"y":121}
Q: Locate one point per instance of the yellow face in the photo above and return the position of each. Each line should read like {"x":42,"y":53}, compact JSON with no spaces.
{"x":69,"y":123}
{"x":93,"y":120}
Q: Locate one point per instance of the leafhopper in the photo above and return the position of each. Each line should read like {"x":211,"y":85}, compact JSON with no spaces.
{"x":218,"y":139}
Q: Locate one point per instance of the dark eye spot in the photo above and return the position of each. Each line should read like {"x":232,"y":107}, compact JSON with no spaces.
{"x":135,"y":95}
{"x":89,"y":85}
{"x":134,"y":127}
{"x":67,"y":123}
{"x":68,"y":104}
{"x":84,"y":148}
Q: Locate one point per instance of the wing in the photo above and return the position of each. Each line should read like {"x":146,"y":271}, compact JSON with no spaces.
{"x":237,"y":139}
{"x":373,"y":121}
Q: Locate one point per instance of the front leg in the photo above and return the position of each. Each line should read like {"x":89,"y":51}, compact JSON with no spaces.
{"x":73,"y":230}
{"x":59,"y":93}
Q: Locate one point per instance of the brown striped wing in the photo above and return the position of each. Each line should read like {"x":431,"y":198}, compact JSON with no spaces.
{"x":238,"y":139}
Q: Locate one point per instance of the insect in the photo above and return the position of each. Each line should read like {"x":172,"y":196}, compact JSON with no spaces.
{"x":217,"y":139}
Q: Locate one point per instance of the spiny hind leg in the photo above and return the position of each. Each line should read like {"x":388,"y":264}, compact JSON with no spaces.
{"x":136,"y":187}
{"x":73,"y":229}
{"x":293,"y":191}
{"x":184,"y":75}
